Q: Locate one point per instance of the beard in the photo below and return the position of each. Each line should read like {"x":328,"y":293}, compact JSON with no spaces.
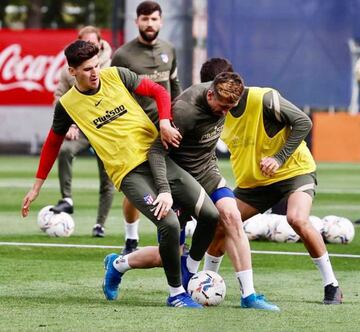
{"x":147,"y":37}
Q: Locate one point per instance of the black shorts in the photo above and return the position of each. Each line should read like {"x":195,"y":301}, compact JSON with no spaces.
{"x":264,"y":197}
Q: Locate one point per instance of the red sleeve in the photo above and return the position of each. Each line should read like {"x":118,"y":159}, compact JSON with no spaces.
{"x":49,"y":153}
{"x":156,"y":91}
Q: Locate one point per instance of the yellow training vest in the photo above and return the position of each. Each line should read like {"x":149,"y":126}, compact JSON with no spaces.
{"x":116,"y":126}
{"x":248,"y":143}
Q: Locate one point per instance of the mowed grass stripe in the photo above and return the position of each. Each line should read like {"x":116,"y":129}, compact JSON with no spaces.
{"x":93,"y":183}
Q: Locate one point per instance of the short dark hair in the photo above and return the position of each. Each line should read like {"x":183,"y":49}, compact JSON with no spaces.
{"x":228,"y":87}
{"x":147,"y":8}
{"x":79,"y":51}
{"x":214,"y":66}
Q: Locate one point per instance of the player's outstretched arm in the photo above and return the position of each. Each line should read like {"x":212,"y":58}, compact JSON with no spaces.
{"x":48,"y":156}
{"x":31,"y":196}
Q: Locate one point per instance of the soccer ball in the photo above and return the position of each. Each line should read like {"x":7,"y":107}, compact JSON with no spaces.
{"x":55,"y":224}
{"x":190,"y":227}
{"x":60,"y":225}
{"x":338,"y":229}
{"x":282,"y":231}
{"x":271,"y":221}
{"x":317,"y":223}
{"x":207,"y":288}
{"x":255,"y":227}
{"x":44,"y":216}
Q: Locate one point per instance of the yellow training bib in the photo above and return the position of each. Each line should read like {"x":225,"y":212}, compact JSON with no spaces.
{"x":248,"y":143}
{"x":116,"y":126}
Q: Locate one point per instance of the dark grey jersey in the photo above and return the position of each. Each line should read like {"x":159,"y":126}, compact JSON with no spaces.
{"x":156,"y":62}
{"x":200,"y":129}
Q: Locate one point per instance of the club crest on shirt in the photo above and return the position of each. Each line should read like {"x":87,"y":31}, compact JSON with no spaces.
{"x":148,"y":199}
{"x":164,"y":57}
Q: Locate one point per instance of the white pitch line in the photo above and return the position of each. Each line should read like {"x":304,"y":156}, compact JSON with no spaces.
{"x":92,"y":246}
{"x":59,"y":245}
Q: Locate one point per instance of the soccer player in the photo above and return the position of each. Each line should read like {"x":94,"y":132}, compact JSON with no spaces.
{"x":199,"y":114}
{"x":265,"y":135}
{"x":75,"y":142}
{"x":150,"y":57}
{"x":102,"y":106}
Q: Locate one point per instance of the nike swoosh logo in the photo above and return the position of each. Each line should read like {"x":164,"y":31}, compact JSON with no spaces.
{"x":97,"y":104}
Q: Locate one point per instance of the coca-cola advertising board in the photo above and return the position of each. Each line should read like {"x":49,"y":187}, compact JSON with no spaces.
{"x":30,"y":64}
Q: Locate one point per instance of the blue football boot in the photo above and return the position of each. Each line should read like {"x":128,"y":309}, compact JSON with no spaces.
{"x":258,"y":301}
{"x":112,"y":278}
{"x":182,"y":300}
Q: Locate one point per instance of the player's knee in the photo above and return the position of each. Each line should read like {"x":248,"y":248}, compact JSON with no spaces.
{"x":169,"y":228}
{"x":211,"y":216}
{"x":297,"y":222}
{"x":231,"y":218}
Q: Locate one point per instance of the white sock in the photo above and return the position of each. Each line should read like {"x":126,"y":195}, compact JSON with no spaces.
{"x":121,"y":264}
{"x":192,"y":265}
{"x":246,"y":282}
{"x":69,"y":200}
{"x":131,"y":230}
{"x":176,"y":290}
{"x":325,"y":268}
{"x":212,"y":263}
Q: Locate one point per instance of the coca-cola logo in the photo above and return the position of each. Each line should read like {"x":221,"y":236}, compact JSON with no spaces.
{"x":29,"y":72}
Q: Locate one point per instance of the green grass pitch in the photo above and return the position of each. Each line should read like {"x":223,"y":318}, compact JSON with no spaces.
{"x":59,"y":289}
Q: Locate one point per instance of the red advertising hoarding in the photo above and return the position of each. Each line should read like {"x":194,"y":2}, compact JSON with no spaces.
{"x":30,"y":64}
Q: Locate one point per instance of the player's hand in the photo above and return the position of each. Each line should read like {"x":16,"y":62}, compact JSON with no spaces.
{"x":31,"y":196}
{"x":169,"y":134}
{"x":72,"y":134}
{"x":163,"y":203}
{"x":28,"y":199}
{"x":268,"y":166}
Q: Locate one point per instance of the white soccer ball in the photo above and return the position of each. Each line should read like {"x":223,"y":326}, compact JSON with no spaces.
{"x":44,"y":216}
{"x":271,"y":220}
{"x":282,"y":231}
{"x":190,"y":227}
{"x":338,"y":229}
{"x":60,"y":225}
{"x":207,"y":288}
{"x":255,"y":227}
{"x":317,"y":223}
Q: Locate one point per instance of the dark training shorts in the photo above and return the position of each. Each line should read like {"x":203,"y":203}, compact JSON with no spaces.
{"x":264,"y":197}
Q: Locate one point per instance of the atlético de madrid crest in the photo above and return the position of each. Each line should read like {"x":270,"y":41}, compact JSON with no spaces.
{"x":164,"y":57}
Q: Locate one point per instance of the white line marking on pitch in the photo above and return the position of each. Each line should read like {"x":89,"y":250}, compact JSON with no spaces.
{"x":92,"y":246}
{"x":58,"y":245}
